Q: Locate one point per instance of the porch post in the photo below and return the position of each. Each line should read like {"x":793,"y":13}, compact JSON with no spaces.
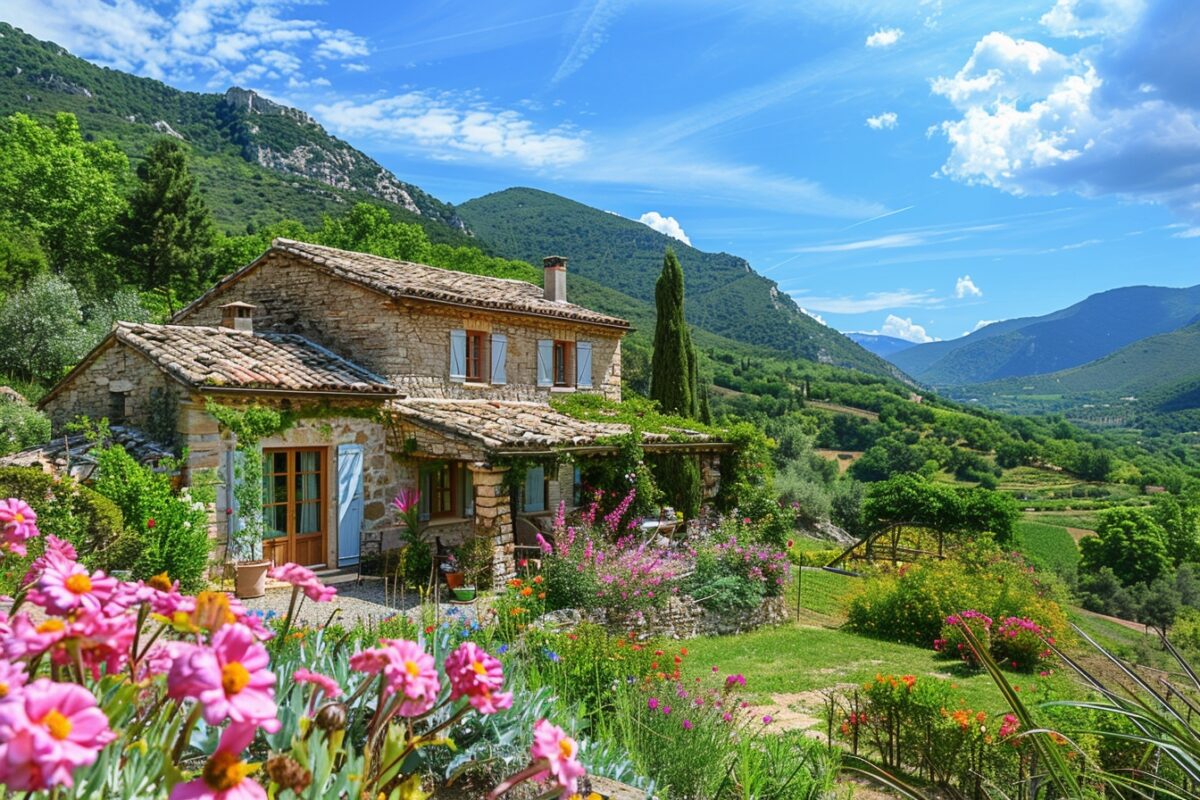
{"x":494,"y":519}
{"x":710,"y":477}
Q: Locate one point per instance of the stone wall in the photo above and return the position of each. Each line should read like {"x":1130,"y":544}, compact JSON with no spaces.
{"x":683,"y":618}
{"x":710,"y":476}
{"x":119,"y":368}
{"x":409,"y":342}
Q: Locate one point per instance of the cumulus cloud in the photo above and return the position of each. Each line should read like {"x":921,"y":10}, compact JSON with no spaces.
{"x":1121,"y":119}
{"x":965,"y":287}
{"x":884,"y":37}
{"x":668,"y":225}
{"x":887,"y":120}
{"x":983,"y":323}
{"x":1083,"y":18}
{"x":218,"y":41}
{"x":457,"y":123}
{"x":903,"y":328}
{"x":815,"y":316}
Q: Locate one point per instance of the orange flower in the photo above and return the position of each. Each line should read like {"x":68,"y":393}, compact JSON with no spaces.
{"x":541,"y":595}
{"x":526,"y":591}
{"x":538,"y":579}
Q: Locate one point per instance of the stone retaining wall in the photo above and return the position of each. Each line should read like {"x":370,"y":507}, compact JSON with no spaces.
{"x":682,"y":618}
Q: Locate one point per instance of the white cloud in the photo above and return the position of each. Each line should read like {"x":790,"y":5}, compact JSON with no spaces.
{"x":983,"y":323}
{"x":593,"y":33}
{"x":889,"y":241}
{"x":903,"y":328}
{"x":815,"y":316}
{"x":1083,"y":18}
{"x":887,"y":119}
{"x":965,"y":287}
{"x":1114,"y":120}
{"x":220,"y":41}
{"x":668,"y":225}
{"x":884,"y":37}
{"x":457,"y":122}
{"x":872,"y":301}
{"x":1187,"y":233}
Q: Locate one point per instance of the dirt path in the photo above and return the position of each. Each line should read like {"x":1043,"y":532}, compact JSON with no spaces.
{"x":1080,"y":533}
{"x":1125,"y":623}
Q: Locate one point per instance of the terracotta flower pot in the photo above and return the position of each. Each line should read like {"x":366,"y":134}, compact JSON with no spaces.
{"x":454,"y":579}
{"x":250,"y":578}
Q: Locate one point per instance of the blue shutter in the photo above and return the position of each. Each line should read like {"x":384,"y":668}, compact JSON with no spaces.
{"x":545,"y":362}
{"x":350,"y":503}
{"x":468,"y":491}
{"x":535,"y":489}
{"x":499,"y":354}
{"x":583,"y":364}
{"x":458,"y":355}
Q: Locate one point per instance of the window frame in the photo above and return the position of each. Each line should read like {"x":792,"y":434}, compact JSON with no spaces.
{"x":437,"y":494}
{"x":565,"y":349}
{"x":477,"y":366}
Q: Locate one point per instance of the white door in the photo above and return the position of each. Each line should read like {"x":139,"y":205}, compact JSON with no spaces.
{"x":350,"y":503}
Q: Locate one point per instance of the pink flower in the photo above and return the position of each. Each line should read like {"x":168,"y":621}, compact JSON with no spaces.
{"x":26,"y":640}
{"x":687,"y":724}
{"x":735,"y":680}
{"x":225,"y":774}
{"x":652,"y":703}
{"x":230,"y":679}
{"x":1009,"y":726}
{"x":559,"y":753}
{"x":478,"y":676}
{"x":768,"y":719}
{"x":65,"y":587}
{"x":304,"y":579}
{"x":12,"y":678}
{"x":407,"y":670}
{"x":19,"y":525}
{"x":325,"y":683}
{"x":55,"y":548}
{"x":48,"y":730}
{"x":159,"y":593}
{"x":407,"y":500}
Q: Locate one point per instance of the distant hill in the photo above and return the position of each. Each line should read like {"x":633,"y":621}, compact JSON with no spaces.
{"x":880,"y":345}
{"x":724,"y":295}
{"x":1158,"y":374}
{"x":1089,"y":330}
{"x":256,"y":161}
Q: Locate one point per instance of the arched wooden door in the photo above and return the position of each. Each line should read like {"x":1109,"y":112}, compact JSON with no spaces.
{"x":295,"y":504}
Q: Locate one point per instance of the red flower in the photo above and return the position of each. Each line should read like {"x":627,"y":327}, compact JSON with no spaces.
{"x":150,"y":523}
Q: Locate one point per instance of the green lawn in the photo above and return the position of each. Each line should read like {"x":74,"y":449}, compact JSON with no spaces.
{"x":1049,"y":547}
{"x":823,"y":592}
{"x":791,"y":659}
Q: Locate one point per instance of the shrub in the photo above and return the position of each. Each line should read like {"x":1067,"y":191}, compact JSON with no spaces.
{"x":168,"y":530}
{"x":953,"y":641}
{"x":1021,"y":644}
{"x":21,"y":426}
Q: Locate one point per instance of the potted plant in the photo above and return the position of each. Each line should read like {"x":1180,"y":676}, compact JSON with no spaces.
{"x":452,"y":572}
{"x":475,"y":556}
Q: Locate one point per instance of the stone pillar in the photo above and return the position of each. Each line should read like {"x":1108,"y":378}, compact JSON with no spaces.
{"x":710,"y":477}
{"x":494,"y":519}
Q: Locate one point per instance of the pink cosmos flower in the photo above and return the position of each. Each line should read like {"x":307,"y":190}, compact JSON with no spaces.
{"x":48,"y":730}
{"x":27,"y":640}
{"x":160,"y":594}
{"x":225,"y":774}
{"x":55,"y":548}
{"x":559,"y":753}
{"x":230,"y":679}
{"x":101,"y":640}
{"x":19,"y":523}
{"x":304,"y":579}
{"x":410,"y":672}
{"x":65,"y":587}
{"x":12,"y":677}
{"x":478,"y":676}
{"x":326,"y":684}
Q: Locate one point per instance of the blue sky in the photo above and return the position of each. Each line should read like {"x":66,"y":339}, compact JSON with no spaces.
{"x":910,"y":167}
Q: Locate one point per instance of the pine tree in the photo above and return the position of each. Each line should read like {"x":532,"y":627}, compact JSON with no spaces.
{"x":167,"y":233}
{"x":673,"y":365}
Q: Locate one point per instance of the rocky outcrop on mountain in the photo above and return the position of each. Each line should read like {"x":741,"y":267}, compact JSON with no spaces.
{"x":252,"y":102}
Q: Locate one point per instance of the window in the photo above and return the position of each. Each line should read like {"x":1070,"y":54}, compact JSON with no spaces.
{"x":293,"y":509}
{"x":116,"y":407}
{"x":562,"y":364}
{"x":447,"y":490}
{"x":476,"y":357}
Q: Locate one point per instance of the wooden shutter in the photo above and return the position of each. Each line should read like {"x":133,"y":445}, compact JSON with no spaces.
{"x":425,"y":486}
{"x":583,"y":364}
{"x":467,"y":485}
{"x":535,"y":490}
{"x":499,"y":354}
{"x":545,"y":362}
{"x":458,"y":355}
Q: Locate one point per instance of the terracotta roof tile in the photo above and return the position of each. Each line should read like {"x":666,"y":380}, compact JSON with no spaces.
{"x":404,"y":279}
{"x":202,"y":356}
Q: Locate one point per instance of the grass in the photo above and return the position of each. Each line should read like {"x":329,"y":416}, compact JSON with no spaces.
{"x":1049,"y":547}
{"x":823,"y":592}
{"x":791,"y":659}
{"x":1066,"y":519}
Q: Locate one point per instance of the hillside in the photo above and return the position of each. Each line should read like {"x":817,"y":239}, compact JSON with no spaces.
{"x":256,"y":161}
{"x":880,"y":345}
{"x":1155,"y":374}
{"x":1091,"y":329}
{"x":724,"y":295}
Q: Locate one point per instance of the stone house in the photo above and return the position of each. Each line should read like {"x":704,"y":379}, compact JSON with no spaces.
{"x":397,"y":375}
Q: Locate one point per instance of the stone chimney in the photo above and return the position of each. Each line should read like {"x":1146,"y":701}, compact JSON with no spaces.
{"x":554,"y":278}
{"x":238,"y":315}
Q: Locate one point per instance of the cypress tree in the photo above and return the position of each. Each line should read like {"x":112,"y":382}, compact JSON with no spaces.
{"x":167,"y":233}
{"x":673,"y":365}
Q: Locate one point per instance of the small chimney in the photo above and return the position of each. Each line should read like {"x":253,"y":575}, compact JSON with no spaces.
{"x":238,"y":315}
{"x":554,"y":278}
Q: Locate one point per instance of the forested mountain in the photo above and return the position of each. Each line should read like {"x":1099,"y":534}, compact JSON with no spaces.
{"x":256,"y":161}
{"x":880,"y":345}
{"x":1091,"y":329}
{"x":724,"y":295}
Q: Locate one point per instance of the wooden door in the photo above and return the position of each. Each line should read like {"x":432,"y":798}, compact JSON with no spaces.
{"x":294,"y":505}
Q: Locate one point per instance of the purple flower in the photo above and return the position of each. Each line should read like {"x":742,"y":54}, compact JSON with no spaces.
{"x":687,"y":724}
